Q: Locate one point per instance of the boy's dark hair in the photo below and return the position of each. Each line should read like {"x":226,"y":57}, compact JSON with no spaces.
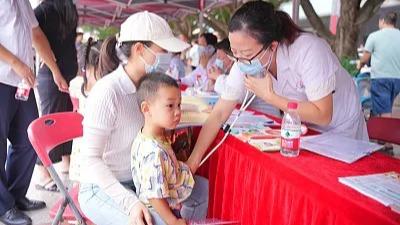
{"x":151,"y":83}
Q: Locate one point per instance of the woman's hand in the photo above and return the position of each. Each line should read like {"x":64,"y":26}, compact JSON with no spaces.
{"x":204,"y":58}
{"x":262,"y":87}
{"x":214,"y":72}
{"x":60,"y":82}
{"x":139,"y":213}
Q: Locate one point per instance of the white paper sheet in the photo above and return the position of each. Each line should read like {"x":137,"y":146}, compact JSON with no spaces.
{"x":383,"y":187}
{"x":338,"y":147}
{"x":250,"y":120}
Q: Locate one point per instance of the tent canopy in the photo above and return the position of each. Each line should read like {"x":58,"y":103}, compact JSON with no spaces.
{"x":114,"y":12}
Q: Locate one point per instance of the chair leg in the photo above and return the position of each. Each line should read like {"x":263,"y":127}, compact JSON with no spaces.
{"x":58,"y":218}
{"x":68,"y":200}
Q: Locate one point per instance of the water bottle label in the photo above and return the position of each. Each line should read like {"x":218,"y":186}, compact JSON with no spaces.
{"x":291,"y":144}
{"x":292,"y":133}
{"x":290,"y":139}
{"x":22,"y":93}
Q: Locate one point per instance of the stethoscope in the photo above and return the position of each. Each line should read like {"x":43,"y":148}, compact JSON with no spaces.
{"x":248,"y":99}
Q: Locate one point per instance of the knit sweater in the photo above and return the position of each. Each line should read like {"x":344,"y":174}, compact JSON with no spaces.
{"x":112,"y":121}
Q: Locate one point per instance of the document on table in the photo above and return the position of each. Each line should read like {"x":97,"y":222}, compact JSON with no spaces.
{"x":338,"y":147}
{"x":383,"y":187}
{"x":249,"y":119}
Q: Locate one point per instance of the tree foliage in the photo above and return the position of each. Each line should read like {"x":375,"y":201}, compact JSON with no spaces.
{"x":352,"y":15}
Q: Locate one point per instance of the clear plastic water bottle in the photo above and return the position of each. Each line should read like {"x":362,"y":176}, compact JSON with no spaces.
{"x":291,"y":131}
{"x":23,"y":91}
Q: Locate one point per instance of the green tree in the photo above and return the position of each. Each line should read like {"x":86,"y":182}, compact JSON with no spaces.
{"x":216,"y":18}
{"x":101,"y":32}
{"x":352,"y":15}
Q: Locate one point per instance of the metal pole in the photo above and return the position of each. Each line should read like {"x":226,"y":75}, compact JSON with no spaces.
{"x":201,"y":21}
{"x":201,"y":16}
{"x":295,"y":11}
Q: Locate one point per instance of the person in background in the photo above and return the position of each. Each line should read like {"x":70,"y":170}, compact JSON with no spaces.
{"x":79,"y":38}
{"x":58,"y":19}
{"x":163,"y":183}
{"x":206,"y":49}
{"x":113,"y":118}
{"x":184,"y":54}
{"x":384,"y":54}
{"x":177,"y":67}
{"x":218,"y":72}
{"x":18,"y":31}
{"x":193,"y":56}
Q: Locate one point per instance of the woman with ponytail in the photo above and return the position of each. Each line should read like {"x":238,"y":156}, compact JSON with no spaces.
{"x":58,"y":19}
{"x":96,"y":60}
{"x":280,"y":63}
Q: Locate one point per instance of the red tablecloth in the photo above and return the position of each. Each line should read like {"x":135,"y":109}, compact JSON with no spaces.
{"x":266,"y":188}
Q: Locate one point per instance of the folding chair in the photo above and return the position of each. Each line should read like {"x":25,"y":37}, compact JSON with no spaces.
{"x":47,"y":132}
{"x":384,"y":129}
{"x":363,"y":84}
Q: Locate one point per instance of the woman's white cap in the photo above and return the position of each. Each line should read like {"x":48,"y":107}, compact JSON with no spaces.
{"x":147,"y":26}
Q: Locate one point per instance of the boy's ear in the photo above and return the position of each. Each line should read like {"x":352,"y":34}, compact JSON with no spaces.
{"x":145,"y":108}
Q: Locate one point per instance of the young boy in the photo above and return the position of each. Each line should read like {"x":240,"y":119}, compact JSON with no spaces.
{"x":162,"y":182}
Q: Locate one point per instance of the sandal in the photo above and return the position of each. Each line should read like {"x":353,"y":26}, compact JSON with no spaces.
{"x":48,"y":186}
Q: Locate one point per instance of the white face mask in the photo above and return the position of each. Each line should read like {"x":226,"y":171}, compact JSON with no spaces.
{"x":255,"y":68}
{"x":161,"y":63}
{"x":219,"y":64}
{"x":208,"y":50}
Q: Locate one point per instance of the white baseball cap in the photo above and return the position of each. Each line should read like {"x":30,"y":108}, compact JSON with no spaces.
{"x":147,"y":26}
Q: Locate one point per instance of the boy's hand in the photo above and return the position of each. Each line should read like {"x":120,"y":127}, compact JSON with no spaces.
{"x":140,"y":214}
{"x":180,"y":222}
{"x":177,"y":206}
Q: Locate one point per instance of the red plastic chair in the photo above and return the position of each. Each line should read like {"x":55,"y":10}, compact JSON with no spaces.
{"x":384,"y":129}
{"x":47,"y":132}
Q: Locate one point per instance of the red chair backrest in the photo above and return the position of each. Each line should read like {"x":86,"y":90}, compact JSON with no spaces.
{"x":384,"y":129}
{"x":51,"y":130}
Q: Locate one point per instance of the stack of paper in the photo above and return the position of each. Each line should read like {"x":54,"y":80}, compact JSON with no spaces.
{"x":338,"y":147}
{"x":383,"y":187}
{"x":194,"y":112}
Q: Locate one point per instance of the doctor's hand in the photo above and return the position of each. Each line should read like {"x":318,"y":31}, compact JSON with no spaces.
{"x":140,"y":215}
{"x":262,"y":87}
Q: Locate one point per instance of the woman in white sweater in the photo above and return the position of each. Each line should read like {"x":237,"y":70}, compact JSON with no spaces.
{"x":112,"y":121}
